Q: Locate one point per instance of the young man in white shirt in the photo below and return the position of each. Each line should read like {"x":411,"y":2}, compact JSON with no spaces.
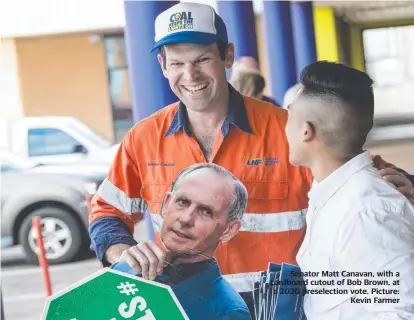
{"x":358,"y":225}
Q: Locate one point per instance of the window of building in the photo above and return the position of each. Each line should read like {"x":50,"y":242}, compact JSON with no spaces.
{"x":384,"y":56}
{"x":50,"y":141}
{"x":389,"y":61}
{"x":119,"y":85}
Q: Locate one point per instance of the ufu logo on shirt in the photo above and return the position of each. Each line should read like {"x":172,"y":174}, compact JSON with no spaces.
{"x":265,"y":161}
{"x":180,"y":21}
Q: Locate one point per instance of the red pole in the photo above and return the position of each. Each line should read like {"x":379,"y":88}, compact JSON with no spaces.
{"x":42,"y":255}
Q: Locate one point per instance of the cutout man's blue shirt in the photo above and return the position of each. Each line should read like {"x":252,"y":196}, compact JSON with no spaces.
{"x":202,"y":291}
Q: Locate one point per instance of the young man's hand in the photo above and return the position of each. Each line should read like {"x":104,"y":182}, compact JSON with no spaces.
{"x":146,"y":258}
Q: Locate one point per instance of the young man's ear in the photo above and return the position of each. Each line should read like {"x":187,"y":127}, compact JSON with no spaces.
{"x":161,"y":62}
{"x":309,"y":132}
{"x":229,"y":56}
{"x":231,"y":230}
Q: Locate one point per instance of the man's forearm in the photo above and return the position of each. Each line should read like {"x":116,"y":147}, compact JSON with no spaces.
{"x":113,"y":253}
{"x":109,"y":232}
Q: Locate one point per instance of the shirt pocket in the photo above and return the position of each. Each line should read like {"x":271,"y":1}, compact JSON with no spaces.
{"x":263,"y":190}
{"x":268,"y":210}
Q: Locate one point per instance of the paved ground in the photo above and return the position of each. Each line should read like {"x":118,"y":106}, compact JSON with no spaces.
{"x":23,"y":288}
{"x":22,"y":285}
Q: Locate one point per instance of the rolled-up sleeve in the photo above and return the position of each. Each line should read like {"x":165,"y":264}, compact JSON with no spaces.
{"x":117,"y":204}
{"x":106,"y":232}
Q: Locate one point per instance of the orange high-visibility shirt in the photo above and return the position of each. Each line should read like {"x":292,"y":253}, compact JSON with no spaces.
{"x":252,"y":145}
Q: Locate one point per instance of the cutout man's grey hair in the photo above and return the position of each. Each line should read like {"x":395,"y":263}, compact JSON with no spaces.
{"x":239,"y":202}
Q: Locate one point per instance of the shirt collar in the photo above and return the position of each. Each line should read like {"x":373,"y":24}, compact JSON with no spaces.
{"x":321,"y":192}
{"x":237,"y":116}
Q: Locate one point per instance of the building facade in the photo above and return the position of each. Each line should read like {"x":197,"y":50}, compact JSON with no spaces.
{"x":70,"y":59}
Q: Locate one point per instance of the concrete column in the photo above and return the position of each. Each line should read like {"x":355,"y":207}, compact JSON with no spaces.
{"x":280,"y":54}
{"x":239,"y":18}
{"x":303,"y":34}
{"x":150,"y":90}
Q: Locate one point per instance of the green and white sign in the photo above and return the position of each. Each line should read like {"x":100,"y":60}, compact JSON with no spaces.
{"x":112,"y":295}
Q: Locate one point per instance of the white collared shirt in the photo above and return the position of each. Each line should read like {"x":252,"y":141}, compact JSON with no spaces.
{"x":358,"y":222}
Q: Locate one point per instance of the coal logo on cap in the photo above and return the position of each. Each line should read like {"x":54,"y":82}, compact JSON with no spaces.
{"x":179,"y":21}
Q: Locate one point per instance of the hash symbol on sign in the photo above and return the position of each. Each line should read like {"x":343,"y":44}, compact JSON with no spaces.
{"x":127,"y":288}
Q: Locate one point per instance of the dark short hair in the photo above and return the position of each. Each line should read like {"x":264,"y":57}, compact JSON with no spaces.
{"x":222,"y":47}
{"x":351,"y":90}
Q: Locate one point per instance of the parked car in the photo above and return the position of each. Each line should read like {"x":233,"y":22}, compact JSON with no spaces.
{"x":59,"y":194}
{"x":55,"y":140}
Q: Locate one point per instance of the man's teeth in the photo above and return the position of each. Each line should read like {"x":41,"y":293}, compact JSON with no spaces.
{"x":195,"y":89}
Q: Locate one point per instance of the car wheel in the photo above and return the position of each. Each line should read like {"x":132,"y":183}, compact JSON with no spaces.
{"x":63,"y":236}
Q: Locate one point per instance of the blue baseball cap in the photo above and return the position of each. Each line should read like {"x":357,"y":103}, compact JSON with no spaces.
{"x":189,"y":23}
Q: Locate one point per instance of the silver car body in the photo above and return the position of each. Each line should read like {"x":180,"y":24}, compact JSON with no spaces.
{"x":27,"y":186}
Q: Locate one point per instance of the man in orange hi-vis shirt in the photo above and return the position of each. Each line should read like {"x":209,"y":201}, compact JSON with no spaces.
{"x":212,"y":122}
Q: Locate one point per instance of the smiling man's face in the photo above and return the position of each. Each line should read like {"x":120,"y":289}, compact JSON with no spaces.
{"x":195,"y":214}
{"x":196,"y":73}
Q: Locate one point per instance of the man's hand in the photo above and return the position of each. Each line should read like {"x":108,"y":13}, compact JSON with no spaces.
{"x":114,"y":252}
{"x":146,"y":258}
{"x":400,"y":181}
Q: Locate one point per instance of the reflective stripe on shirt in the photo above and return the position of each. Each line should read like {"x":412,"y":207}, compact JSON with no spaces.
{"x":118,"y":199}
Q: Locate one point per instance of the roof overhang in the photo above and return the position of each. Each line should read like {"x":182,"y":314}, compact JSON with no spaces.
{"x":366,"y":12}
